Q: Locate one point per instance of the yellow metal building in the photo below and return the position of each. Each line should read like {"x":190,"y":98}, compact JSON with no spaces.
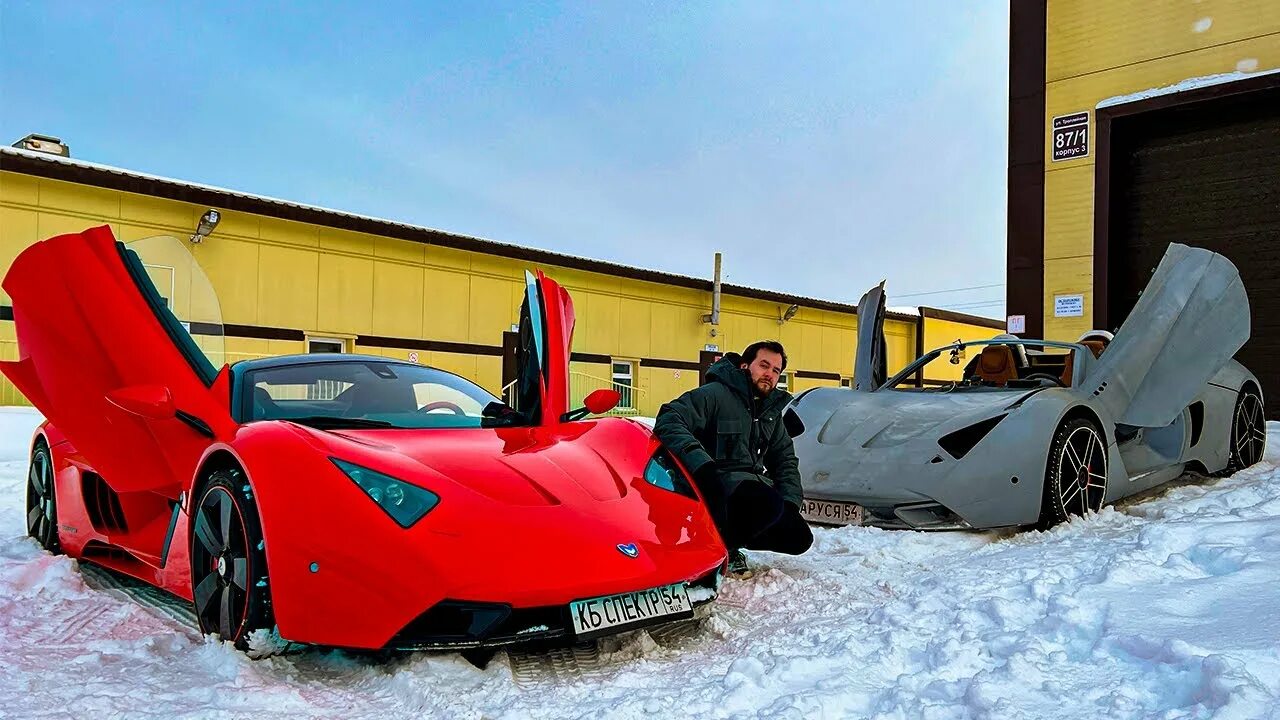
{"x":292,"y":278}
{"x":1133,"y":125}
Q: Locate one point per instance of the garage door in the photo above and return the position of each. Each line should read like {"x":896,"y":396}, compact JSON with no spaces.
{"x":1204,"y":174}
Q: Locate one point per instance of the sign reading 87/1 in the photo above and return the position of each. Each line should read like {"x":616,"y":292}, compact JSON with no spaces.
{"x":1071,"y":136}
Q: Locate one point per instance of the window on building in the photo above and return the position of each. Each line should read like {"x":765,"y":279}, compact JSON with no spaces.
{"x":784,"y":382}
{"x":846,"y":382}
{"x":624,"y":382}
{"x":326,"y":345}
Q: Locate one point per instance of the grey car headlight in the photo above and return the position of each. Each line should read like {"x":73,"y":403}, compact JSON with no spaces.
{"x":959,"y":443}
{"x":405,"y":503}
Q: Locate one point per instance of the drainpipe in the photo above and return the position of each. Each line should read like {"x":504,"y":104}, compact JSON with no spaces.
{"x":714,"y":317}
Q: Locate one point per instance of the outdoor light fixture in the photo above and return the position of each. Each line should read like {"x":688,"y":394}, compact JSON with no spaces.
{"x":208,"y":221}
{"x":790,"y":313}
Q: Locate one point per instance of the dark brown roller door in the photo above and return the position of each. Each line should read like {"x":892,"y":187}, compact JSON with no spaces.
{"x":1204,"y":174}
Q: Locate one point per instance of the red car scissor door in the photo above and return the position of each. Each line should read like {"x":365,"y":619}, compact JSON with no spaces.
{"x":546,"y":341}
{"x":95,"y":337}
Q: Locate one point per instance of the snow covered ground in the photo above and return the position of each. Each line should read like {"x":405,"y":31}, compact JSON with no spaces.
{"x":1164,"y":608}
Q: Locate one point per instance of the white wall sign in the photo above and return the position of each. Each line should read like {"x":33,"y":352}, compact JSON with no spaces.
{"x":1016,"y":324}
{"x":1070,"y":136}
{"x":1068,"y":305}
{"x":710,"y":348}
{"x":413,"y":357}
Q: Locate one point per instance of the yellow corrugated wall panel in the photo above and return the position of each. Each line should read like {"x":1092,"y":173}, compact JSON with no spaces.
{"x":51,"y":224}
{"x":287,"y":287}
{"x":448,"y":257}
{"x":900,"y":344}
{"x":496,"y":266}
{"x":233,"y":225}
{"x":19,"y":229}
{"x":1070,"y":276}
{"x":288,"y":232}
{"x":19,"y":189}
{"x":9,"y":395}
{"x":489,"y":374}
{"x":396,"y":249}
{"x":674,"y":331}
{"x":446,"y":309}
{"x":83,"y":200}
{"x":238,"y":349}
{"x":1085,"y":36}
{"x":490,"y":309}
{"x":636,"y":318}
{"x":1068,"y":213}
{"x":232,"y":268}
{"x":600,"y":332}
{"x":662,"y":385}
{"x":175,"y":217}
{"x":837,"y":350}
{"x":285,"y":347}
{"x":345,"y":241}
{"x":345,"y":294}
{"x":464,"y":365}
{"x":397,"y":300}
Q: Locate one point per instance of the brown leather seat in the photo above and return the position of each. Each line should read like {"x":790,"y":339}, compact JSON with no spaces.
{"x":996,"y":366}
{"x":1095,"y":346}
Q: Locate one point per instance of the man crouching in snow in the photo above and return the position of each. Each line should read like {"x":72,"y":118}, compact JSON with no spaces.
{"x":730,"y":434}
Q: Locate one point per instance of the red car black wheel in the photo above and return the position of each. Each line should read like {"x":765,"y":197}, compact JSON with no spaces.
{"x":228,"y":562}
{"x":42,"y":505}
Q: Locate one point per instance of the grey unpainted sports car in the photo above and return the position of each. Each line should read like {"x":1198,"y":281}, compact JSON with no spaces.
{"x":1038,"y":431}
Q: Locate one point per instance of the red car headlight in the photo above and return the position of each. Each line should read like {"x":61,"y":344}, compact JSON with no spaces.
{"x":663,"y":472}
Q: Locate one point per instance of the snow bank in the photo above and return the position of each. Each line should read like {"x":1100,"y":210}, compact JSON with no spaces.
{"x":1169,"y":607}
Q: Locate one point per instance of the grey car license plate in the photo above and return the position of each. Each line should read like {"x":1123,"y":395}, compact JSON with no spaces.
{"x":831,"y":512}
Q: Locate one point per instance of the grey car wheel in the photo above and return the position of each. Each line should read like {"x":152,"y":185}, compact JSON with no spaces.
{"x":1248,"y":430}
{"x":1075,"y":481}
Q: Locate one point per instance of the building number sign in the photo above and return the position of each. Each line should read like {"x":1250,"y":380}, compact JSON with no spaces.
{"x":1071,"y":136}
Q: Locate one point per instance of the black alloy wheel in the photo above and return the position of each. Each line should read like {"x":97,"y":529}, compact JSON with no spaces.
{"x":1075,"y":480}
{"x":1248,"y":430}
{"x":228,"y":560}
{"x":42,"y":505}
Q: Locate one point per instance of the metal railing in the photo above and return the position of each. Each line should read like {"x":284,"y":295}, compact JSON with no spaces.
{"x":581,"y":385}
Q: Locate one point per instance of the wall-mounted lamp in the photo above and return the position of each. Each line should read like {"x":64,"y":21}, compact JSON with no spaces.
{"x":790,"y":313}
{"x":208,"y":221}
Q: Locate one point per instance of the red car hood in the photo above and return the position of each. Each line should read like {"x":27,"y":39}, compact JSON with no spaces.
{"x":521,"y":466}
{"x":544,"y":508}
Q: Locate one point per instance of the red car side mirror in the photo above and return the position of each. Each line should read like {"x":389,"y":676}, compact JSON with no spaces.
{"x":602,"y":401}
{"x":154,"y":402}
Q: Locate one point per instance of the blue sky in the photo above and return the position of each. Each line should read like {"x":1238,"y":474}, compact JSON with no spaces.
{"x":821,"y":147}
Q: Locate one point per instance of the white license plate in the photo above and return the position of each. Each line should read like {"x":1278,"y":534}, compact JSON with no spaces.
{"x":615,"y":613}
{"x":830,"y":512}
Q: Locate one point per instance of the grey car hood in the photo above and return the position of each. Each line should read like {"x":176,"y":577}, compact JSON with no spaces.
{"x":888,"y":418}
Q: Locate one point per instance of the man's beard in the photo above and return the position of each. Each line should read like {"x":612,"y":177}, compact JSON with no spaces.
{"x":762,"y":391}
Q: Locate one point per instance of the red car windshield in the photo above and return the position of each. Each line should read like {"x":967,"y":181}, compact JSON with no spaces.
{"x":364,"y":393}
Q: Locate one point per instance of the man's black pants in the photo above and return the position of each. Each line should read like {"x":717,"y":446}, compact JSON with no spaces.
{"x":756,"y":517}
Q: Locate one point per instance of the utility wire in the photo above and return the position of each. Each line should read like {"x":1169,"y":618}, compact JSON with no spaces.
{"x":939,"y":292}
{"x":971,"y":305}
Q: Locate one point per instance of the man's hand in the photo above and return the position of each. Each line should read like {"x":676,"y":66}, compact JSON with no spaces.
{"x":707,"y":476}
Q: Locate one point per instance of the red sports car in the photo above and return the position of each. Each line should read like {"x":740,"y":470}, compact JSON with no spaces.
{"x":346,"y":500}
